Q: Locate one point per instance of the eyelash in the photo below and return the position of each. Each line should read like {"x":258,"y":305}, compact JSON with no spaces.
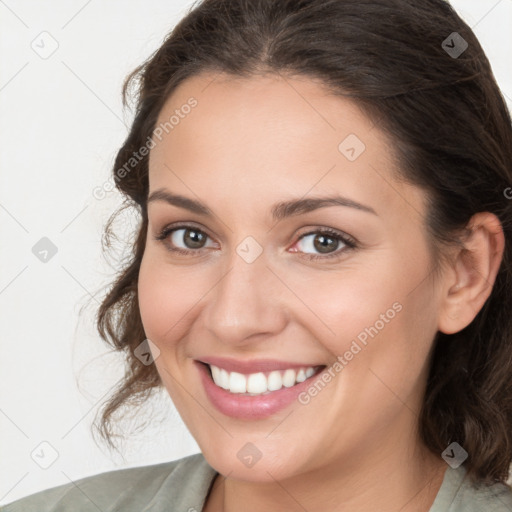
{"x":349,"y":242}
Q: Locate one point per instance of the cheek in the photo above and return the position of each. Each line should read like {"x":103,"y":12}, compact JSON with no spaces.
{"x":165,"y":301}
{"x":383,"y":313}
{"x":344,"y":307}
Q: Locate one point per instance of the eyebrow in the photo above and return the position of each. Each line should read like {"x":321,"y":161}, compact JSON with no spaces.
{"x":279,"y":210}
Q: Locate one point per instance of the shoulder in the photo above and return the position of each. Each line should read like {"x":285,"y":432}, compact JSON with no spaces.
{"x":458,"y":494}
{"x":184,"y":483}
{"x":495,"y":498}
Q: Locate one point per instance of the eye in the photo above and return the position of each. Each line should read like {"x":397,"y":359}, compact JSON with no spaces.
{"x":326,"y":241}
{"x":188,"y":240}
{"x":183,"y":239}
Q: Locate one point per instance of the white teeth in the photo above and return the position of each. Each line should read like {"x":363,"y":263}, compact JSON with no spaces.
{"x":275,"y":381}
{"x":301,"y":375}
{"x":259,"y":383}
{"x":289,"y":378}
{"x":216,"y":374}
{"x":237,"y":383}
{"x":223,"y":381}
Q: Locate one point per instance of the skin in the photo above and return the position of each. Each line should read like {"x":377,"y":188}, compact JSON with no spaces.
{"x":248,"y":144}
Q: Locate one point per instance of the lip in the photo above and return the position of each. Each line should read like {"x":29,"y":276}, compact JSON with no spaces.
{"x":251,"y":407}
{"x":254,"y":365}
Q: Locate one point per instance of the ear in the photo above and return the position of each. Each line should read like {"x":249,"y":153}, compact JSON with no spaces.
{"x":469,"y":281}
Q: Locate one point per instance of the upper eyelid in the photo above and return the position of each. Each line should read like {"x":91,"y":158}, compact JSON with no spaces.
{"x":310,"y":230}
{"x":176,"y":227}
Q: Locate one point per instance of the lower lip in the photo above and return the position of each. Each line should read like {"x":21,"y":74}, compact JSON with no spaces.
{"x":250,"y":407}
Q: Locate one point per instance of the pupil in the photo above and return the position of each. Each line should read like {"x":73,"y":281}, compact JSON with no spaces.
{"x":324,"y":243}
{"x":194,"y":239}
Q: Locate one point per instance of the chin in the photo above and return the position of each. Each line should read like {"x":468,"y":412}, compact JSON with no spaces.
{"x":247,"y":462}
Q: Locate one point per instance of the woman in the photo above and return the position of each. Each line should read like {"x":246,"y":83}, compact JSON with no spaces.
{"x":321,"y":279}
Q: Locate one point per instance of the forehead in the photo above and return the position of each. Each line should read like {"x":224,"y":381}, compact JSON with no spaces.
{"x":273,"y":137}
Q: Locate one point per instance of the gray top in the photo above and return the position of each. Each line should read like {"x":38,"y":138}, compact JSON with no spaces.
{"x":185,"y":483}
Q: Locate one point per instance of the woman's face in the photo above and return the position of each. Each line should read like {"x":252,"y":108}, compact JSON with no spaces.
{"x":265,"y":287}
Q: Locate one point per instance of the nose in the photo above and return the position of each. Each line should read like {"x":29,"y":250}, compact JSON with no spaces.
{"x":247,"y":301}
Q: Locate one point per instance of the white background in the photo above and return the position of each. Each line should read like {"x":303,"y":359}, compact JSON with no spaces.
{"x":61,"y":122}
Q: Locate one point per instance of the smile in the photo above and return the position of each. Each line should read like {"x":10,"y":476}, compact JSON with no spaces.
{"x":254,"y":390}
{"x":259,"y":383}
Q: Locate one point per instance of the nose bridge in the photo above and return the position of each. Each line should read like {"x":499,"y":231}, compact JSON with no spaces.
{"x":242,"y":302}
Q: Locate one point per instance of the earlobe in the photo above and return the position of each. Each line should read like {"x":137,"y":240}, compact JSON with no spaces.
{"x":474,"y":272}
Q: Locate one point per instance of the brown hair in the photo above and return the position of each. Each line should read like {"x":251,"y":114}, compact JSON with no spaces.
{"x":453,"y":138}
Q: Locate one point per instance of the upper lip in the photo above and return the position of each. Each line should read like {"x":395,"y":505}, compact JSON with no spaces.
{"x":253,"y":365}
